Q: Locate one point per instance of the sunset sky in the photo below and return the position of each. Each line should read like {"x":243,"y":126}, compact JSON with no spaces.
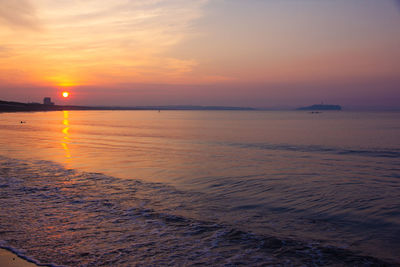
{"x":258,"y":53}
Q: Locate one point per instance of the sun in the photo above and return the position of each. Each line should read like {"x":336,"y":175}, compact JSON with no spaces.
{"x":65,"y":94}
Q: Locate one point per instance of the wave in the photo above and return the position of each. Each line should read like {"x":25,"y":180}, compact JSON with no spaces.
{"x":55,"y":216}
{"x":378,"y":152}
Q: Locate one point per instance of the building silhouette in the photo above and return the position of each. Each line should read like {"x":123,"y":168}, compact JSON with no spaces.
{"x":47,"y":101}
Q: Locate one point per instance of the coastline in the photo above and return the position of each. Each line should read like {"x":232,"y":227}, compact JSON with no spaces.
{"x":10,"y":259}
{"x":8,"y":106}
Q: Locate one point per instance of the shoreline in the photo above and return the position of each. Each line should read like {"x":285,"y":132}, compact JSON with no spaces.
{"x":8,"y":106}
{"x":11,"y":259}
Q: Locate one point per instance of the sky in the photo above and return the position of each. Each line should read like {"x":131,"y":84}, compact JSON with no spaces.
{"x":256,"y":53}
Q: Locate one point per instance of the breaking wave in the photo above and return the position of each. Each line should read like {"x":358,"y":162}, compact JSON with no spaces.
{"x":55,"y":216}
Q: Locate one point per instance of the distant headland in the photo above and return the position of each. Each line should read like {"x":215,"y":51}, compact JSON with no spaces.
{"x":9,"y":106}
{"x":321,"y":107}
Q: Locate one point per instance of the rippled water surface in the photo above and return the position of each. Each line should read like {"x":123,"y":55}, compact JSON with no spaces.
{"x":201,"y":187}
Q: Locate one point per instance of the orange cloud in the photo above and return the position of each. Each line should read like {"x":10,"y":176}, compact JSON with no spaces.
{"x":97,"y":42}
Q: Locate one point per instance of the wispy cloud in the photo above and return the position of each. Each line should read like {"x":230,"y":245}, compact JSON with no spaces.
{"x":18,"y":13}
{"x":104,"y":41}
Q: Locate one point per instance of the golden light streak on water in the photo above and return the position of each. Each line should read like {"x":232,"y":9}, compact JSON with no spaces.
{"x":66,"y":135}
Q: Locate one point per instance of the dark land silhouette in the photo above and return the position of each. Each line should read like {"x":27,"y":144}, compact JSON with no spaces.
{"x":321,"y":107}
{"x":10,"y":106}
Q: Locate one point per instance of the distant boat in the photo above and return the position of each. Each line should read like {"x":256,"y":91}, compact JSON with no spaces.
{"x":321,"y":107}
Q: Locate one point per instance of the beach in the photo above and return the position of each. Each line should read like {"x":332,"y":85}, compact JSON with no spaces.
{"x":9,"y":259}
{"x":199,"y":133}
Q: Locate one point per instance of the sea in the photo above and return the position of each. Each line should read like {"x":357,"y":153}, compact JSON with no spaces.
{"x":201,"y":188}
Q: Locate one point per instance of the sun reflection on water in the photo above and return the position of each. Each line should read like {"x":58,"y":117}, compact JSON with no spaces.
{"x":65,"y":141}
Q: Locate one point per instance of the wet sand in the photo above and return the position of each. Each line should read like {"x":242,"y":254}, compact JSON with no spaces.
{"x":9,"y":259}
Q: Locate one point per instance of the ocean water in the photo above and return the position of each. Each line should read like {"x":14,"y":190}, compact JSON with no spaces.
{"x":219,"y":188}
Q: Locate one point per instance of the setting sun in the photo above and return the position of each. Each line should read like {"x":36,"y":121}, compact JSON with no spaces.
{"x":65,"y":94}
